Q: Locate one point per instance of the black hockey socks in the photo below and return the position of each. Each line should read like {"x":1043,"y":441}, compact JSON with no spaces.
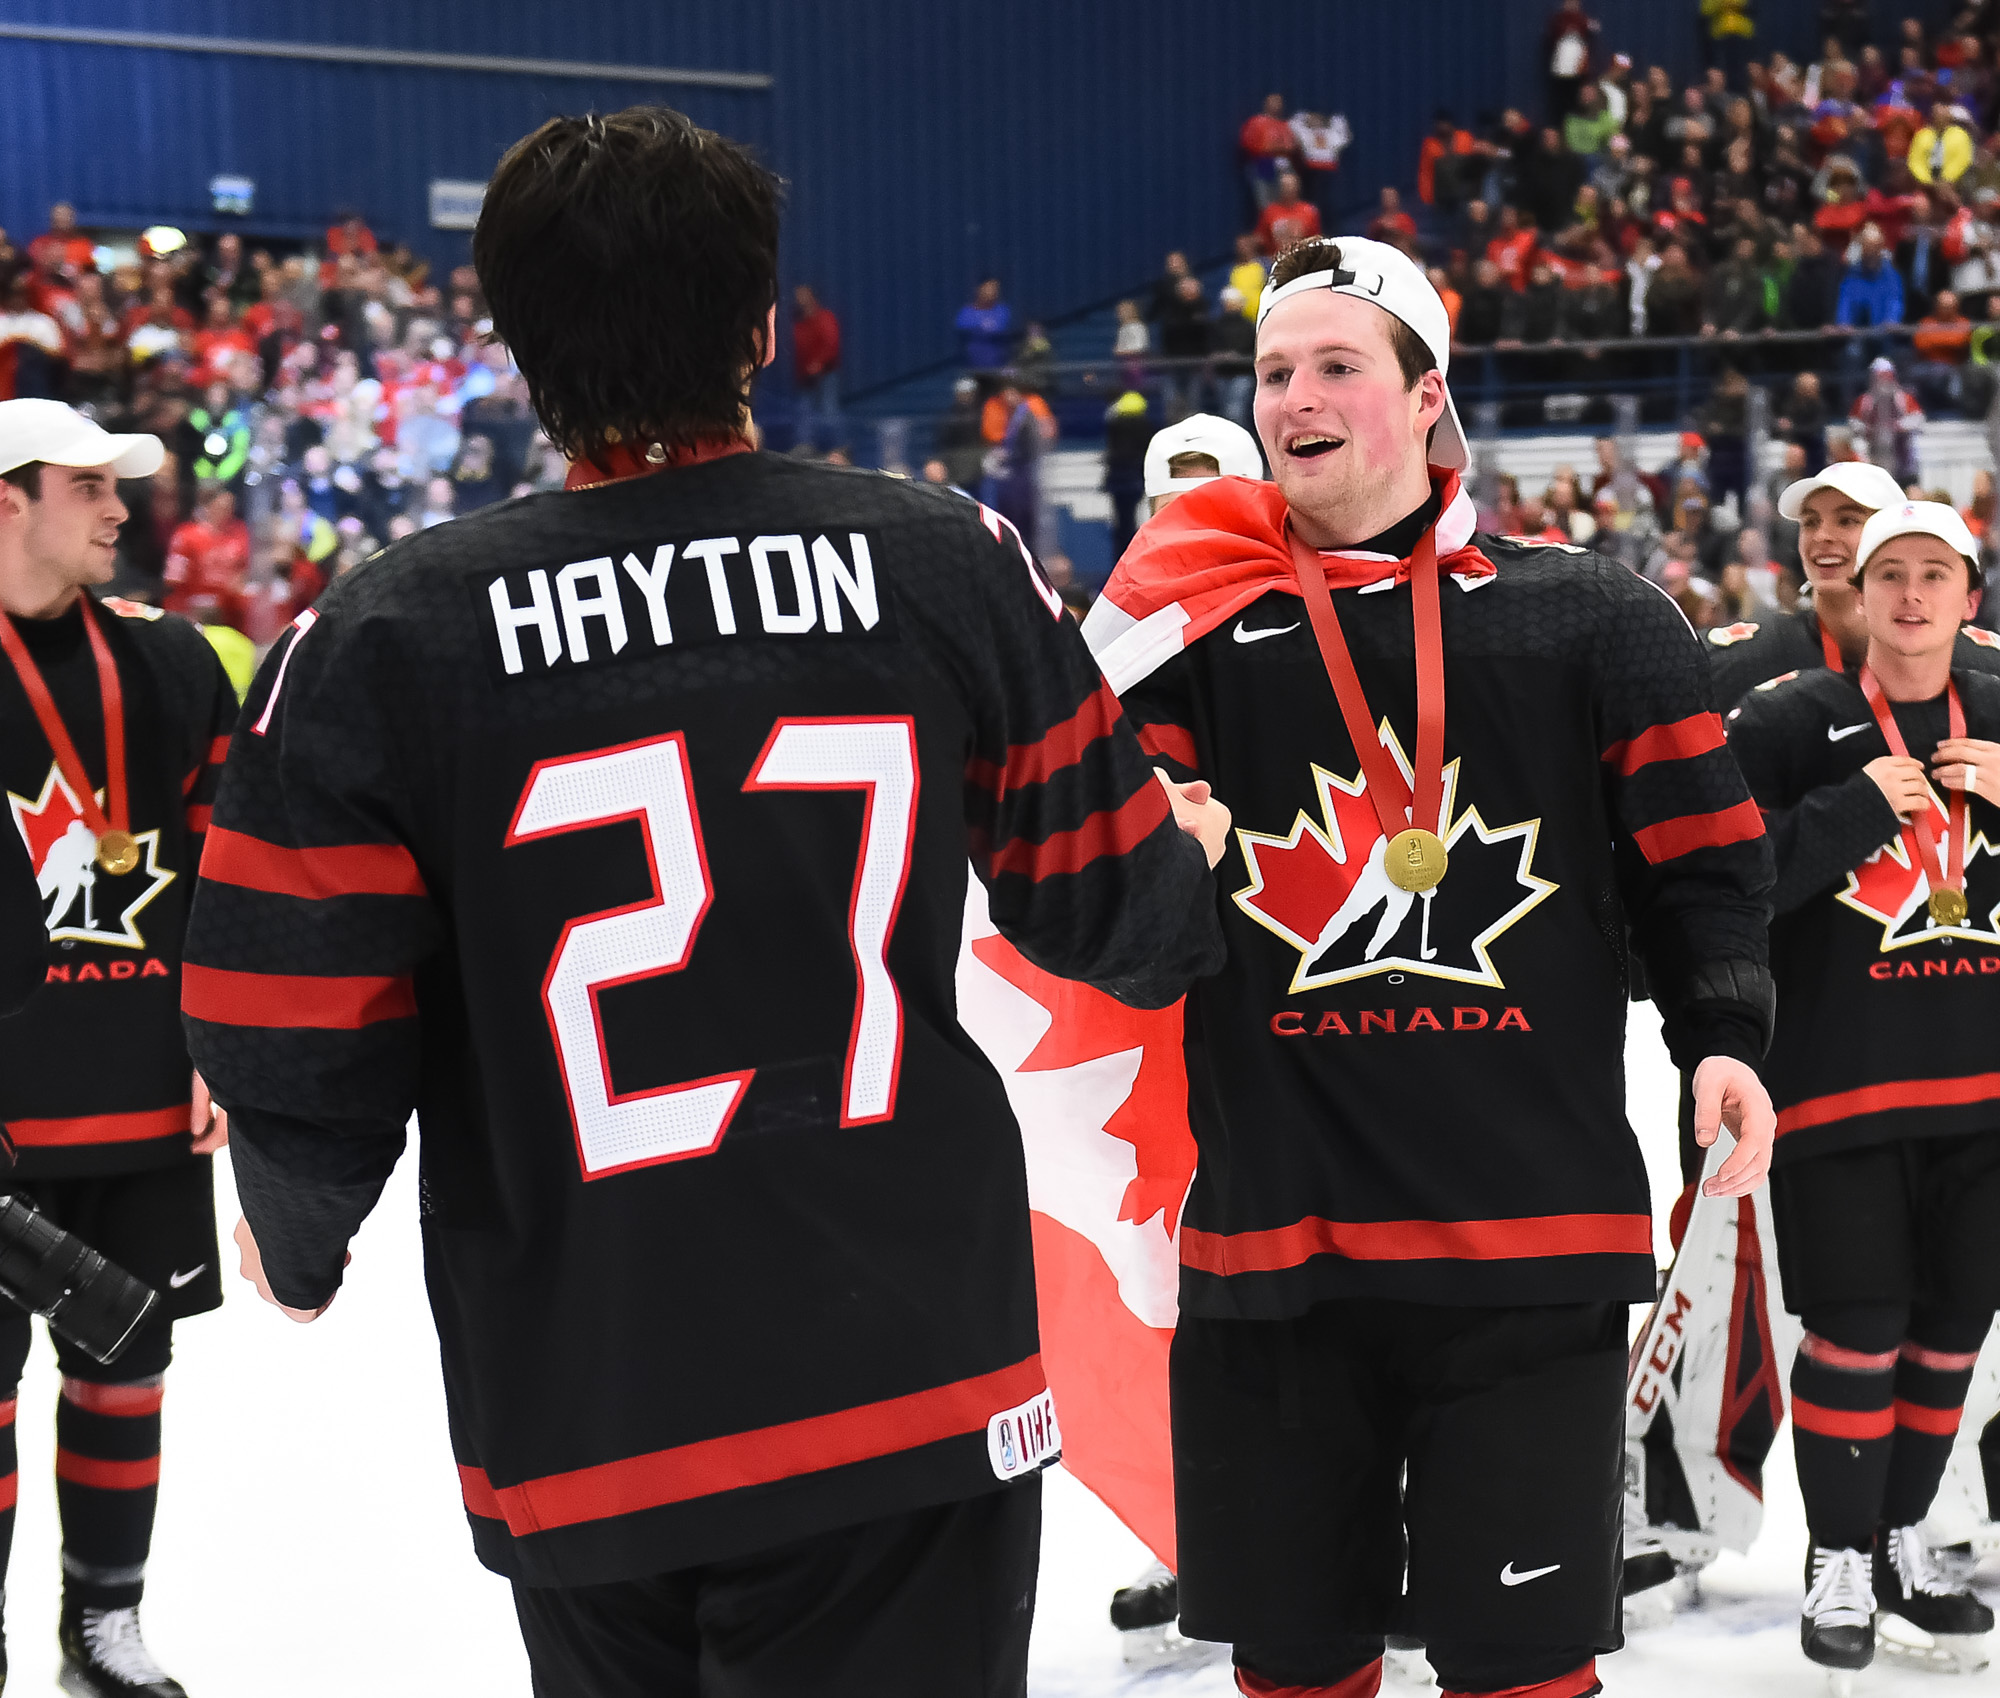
{"x":10,"y":1486}
{"x":1933,"y":1374}
{"x":107,"y":1483}
{"x":1843,"y":1390}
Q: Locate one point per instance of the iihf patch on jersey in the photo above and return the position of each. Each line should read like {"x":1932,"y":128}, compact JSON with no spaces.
{"x":1722,"y":636}
{"x":658,"y":596}
{"x":1323,"y":888}
{"x":1020,"y":1440}
{"x":82,"y":903}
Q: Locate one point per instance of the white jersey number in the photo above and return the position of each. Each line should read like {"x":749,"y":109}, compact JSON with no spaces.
{"x":649,"y":782}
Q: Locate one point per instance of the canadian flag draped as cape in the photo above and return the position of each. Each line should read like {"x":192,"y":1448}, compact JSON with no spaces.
{"x":1100,"y":1089}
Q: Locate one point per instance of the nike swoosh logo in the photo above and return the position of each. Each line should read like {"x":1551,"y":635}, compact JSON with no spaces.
{"x":1835,"y":733}
{"x":1246,"y":636}
{"x":180,"y":1279}
{"x":1509,"y":1578}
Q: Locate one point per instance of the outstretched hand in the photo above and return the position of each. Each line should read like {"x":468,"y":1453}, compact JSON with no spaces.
{"x":1198,"y":814}
{"x":1727,"y":1092}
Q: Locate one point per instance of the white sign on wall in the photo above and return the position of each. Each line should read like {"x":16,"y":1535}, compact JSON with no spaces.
{"x":455,"y":205}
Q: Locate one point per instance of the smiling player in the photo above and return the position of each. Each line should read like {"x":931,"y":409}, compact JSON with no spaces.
{"x":1419,"y":1214}
{"x":1879,"y":788}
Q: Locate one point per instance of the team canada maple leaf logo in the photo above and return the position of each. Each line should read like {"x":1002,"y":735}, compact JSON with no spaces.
{"x":1322,"y":887}
{"x":82,"y":902}
{"x":1890,"y":888}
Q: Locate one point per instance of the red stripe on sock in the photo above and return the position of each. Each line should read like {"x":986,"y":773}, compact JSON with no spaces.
{"x":1843,"y":1423}
{"x":1940,"y":1361}
{"x":10,"y":1489}
{"x":7,"y":1411}
{"x":142,"y":1398}
{"x":1363,"y":1683}
{"x":1839,"y":1356}
{"x":1576,"y":1684}
{"x":107,"y":1476}
{"x":1919,"y":1418}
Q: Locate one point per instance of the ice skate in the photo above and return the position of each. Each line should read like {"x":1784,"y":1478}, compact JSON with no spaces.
{"x":1405,"y":1666}
{"x":1145,"y":1613}
{"x":104,"y":1656}
{"x":1836,"y":1625}
{"x":1926,"y":1614}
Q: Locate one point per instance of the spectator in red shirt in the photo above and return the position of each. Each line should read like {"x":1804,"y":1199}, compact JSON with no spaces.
{"x":1513,"y":250}
{"x":62,"y":247}
{"x":1289,"y":219}
{"x":208,"y":563}
{"x":350,"y":236}
{"x":1392,"y":224}
{"x":1441,"y":170}
{"x":1265,"y":145}
{"x":816,"y":369}
{"x":219,"y":341}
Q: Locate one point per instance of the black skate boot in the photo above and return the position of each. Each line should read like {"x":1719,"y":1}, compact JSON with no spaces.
{"x":1914,"y":1591}
{"x":1153,"y":1600}
{"x":104,"y":1656}
{"x":1837,"y":1626}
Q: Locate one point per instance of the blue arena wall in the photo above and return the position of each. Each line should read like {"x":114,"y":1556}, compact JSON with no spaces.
{"x":1062,"y":144}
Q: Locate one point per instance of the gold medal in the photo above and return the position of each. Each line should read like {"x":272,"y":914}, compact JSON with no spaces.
{"x":1947,"y":907}
{"x":1415,"y":860}
{"x":117,"y":852}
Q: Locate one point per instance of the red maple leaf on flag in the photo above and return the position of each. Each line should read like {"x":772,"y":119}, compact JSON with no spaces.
{"x":1085,"y":1025}
{"x":1303,"y":879}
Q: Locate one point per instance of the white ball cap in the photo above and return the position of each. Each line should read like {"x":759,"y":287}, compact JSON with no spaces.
{"x":1231,"y":447}
{"x":1374,"y":271}
{"x":1863,"y":484}
{"x":1917,"y":518}
{"x":32,"y":430}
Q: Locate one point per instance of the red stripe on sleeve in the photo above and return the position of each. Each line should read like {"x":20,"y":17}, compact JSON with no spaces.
{"x":218,"y":751}
{"x":198,"y":816}
{"x":1919,"y":1418}
{"x":1416,"y":1241}
{"x":348,"y":869}
{"x":1035,"y":763}
{"x":480,"y":1497}
{"x":228,"y":998}
{"x":1170,"y":741}
{"x":106,"y":1475}
{"x":1682,"y":740}
{"x":1878,"y":1099}
{"x":1107,"y":832}
{"x":1842,"y":1423}
{"x":1673,"y":838}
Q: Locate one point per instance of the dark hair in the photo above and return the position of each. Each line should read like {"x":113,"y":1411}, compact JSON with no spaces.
{"x":631,"y":263}
{"x":1302,"y":259}
{"x":1194,"y":464}
{"x":28,"y":478}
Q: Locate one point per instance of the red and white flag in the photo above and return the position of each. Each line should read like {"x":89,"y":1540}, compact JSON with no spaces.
{"x":1100,"y":1091}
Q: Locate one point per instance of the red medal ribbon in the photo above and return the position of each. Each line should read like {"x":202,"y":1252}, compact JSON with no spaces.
{"x":622,"y":461}
{"x":1835,"y":660}
{"x":1395,"y":806}
{"x":1921,"y":833}
{"x":68,"y":763}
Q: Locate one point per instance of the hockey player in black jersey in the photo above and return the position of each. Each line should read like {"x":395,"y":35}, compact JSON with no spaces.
{"x":622,"y":833}
{"x":1879,"y":786}
{"x":1419,"y":1215}
{"x":113,"y":723}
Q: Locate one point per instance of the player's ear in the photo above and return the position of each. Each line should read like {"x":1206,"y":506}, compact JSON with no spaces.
{"x":770,"y":336}
{"x":1430,"y":408}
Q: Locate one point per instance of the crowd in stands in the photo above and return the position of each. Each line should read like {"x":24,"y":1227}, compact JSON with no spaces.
{"x":314,"y":405}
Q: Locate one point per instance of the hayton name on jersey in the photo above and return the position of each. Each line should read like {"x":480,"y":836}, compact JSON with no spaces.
{"x":656,"y":596}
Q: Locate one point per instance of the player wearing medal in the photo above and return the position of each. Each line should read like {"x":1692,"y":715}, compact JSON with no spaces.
{"x":113,"y":723}
{"x":625,"y":829}
{"x":1419,"y":1214}
{"x":1879,"y":788}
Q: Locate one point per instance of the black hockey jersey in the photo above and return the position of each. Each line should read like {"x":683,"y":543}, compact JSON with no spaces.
{"x":622,"y":833}
{"x":1886,"y":1020}
{"x":94,"y":1071}
{"x":1423,"y":1098}
{"x":1752,"y":652}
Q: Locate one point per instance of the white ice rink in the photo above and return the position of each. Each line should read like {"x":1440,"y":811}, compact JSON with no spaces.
{"x":312,"y":1545}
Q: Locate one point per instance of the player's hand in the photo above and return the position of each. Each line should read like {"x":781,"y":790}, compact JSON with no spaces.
{"x":1199,"y":814}
{"x":253,"y":1271}
{"x":1901,"y":778}
{"x":208,"y":1123}
{"x":1970,"y":764}
{"x":1727,"y":1092}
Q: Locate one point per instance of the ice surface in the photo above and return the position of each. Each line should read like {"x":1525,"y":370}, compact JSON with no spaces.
{"x":312,"y":1544}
